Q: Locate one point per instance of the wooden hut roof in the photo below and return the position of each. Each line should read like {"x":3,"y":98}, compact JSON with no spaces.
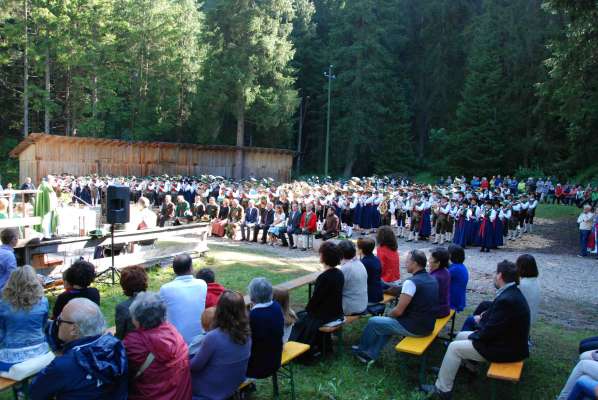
{"x":46,"y":138}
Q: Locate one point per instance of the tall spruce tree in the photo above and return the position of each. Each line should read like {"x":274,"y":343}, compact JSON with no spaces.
{"x":367,"y":102}
{"x":573,"y":81}
{"x":478,"y":141}
{"x":247,"y":72}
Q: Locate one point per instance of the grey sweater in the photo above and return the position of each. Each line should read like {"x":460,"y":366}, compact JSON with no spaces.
{"x":355,"y":289}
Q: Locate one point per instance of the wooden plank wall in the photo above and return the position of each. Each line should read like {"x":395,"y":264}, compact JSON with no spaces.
{"x":59,"y":155}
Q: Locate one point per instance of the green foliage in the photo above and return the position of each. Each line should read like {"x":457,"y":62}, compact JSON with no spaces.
{"x":371,"y":117}
{"x":247,"y":68}
{"x":8,"y":167}
{"x":573,"y":78}
{"x":450,"y":86}
{"x":524,"y":173}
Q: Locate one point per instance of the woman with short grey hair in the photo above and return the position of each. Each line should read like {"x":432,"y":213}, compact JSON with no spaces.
{"x":148,"y":310}
{"x":260,"y":291}
{"x":157,"y":353}
{"x":267,"y":328}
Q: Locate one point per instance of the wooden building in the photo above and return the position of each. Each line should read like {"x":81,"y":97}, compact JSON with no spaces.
{"x":42,"y":154}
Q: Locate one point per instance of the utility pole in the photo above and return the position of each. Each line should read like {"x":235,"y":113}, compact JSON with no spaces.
{"x":330,"y":78}
{"x":302,"y":112}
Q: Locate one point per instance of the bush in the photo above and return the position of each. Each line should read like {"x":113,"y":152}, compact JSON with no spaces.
{"x":9,"y":168}
{"x":525,"y":172}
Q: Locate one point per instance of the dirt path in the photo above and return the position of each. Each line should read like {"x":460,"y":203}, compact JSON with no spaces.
{"x":569,"y":284}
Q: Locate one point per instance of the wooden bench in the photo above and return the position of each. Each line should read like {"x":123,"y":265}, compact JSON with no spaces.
{"x":510,"y":372}
{"x":294,"y":284}
{"x":6,"y":384}
{"x":418,"y":346}
{"x":338,"y":329}
{"x":291,"y":351}
{"x":388,"y":298}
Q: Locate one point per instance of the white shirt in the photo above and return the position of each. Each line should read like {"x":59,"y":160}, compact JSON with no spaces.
{"x":408,"y":288}
{"x":585,"y":221}
{"x":185,"y":299}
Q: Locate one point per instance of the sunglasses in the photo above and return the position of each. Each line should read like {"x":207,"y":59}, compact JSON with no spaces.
{"x":59,"y":321}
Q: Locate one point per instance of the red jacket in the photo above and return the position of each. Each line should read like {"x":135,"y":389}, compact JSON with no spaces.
{"x":311,"y":224}
{"x":168,"y":377}
{"x":389,"y":259}
{"x":215,"y":290}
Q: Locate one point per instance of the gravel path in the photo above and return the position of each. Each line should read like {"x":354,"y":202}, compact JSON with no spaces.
{"x":569,"y":284}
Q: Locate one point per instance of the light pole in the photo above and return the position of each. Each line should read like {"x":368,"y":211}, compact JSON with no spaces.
{"x":330,"y":78}
{"x":302,"y":112}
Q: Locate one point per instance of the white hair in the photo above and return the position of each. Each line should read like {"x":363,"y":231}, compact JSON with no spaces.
{"x":87,"y":316}
{"x":148,"y":309}
{"x":260,"y":290}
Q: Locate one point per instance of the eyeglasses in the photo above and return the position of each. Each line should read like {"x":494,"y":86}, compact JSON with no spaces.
{"x":59,"y":321}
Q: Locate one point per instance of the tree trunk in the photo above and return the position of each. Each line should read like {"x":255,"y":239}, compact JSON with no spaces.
{"x":239,"y":168}
{"x":67,"y":103}
{"x":26,"y":73}
{"x":94,"y":100}
{"x":47,"y":94}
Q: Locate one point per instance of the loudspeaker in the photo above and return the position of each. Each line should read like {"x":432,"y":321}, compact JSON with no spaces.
{"x":117,"y":204}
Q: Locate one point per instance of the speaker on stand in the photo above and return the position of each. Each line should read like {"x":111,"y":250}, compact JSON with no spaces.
{"x":117,"y":212}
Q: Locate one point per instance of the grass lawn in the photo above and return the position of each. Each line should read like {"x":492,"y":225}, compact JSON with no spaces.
{"x":394,"y":376}
{"x":557,"y":211}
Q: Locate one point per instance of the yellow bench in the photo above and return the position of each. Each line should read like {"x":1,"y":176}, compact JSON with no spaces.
{"x":510,"y":372}
{"x":290,"y":352}
{"x":506,"y":371}
{"x":417,"y":346}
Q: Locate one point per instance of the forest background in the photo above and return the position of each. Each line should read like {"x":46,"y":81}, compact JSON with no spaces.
{"x":442,"y":86}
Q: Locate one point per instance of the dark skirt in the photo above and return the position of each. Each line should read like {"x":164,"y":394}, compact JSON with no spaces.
{"x":498,"y":233}
{"x":460,"y":236}
{"x":485,"y":236}
{"x":377,"y":218}
{"x":307,"y":330}
{"x":425,"y":227}
{"x":357,"y":211}
{"x":366,"y":216}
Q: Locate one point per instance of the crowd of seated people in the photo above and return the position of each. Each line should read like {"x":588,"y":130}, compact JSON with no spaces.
{"x":195,"y":339}
{"x":265,"y":222}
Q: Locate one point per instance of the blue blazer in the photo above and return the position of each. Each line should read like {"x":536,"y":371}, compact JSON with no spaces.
{"x":251,"y":215}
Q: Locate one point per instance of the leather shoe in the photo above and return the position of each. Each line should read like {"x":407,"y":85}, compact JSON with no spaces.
{"x":432,"y":390}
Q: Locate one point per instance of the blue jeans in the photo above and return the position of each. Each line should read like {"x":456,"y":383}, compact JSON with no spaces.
{"x":470,"y":324}
{"x":378,"y":332}
{"x":585,"y":388}
{"x":583,"y":241}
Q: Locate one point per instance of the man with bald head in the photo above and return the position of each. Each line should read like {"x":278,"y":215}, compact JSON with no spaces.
{"x":93,"y":365}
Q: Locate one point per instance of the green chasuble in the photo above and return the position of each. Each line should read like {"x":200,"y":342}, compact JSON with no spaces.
{"x":45,"y":202}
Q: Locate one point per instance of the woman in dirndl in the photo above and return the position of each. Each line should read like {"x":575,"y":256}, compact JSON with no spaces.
{"x":221,"y":221}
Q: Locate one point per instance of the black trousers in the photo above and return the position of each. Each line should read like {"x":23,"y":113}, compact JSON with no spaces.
{"x":256,"y":231}
{"x":291,"y":241}
{"x":326,"y":236}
